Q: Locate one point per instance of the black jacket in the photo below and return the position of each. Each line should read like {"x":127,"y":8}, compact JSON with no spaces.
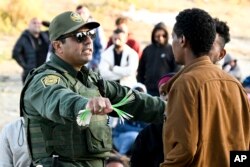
{"x":148,"y":147}
{"x":156,"y":61}
{"x":25,"y":52}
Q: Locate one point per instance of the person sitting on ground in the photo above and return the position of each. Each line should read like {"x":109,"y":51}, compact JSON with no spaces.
{"x":124,"y":134}
{"x":13,"y":143}
{"x":232,"y":67}
{"x":119,"y":62}
{"x":122,"y":23}
{"x":246,"y":85}
{"x":148,"y":147}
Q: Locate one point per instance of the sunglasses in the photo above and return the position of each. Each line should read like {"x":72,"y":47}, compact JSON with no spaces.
{"x":80,"y":36}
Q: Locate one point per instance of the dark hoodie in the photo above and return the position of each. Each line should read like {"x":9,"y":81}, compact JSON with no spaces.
{"x":156,"y":61}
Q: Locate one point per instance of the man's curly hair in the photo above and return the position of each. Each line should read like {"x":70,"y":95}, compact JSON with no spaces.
{"x":223,"y":30}
{"x":198,"y":27}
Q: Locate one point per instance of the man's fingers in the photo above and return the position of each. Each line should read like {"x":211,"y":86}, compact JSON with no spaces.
{"x":108,"y":103}
{"x":99,"y":105}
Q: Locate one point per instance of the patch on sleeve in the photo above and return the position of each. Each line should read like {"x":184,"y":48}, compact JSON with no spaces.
{"x":50,"y":80}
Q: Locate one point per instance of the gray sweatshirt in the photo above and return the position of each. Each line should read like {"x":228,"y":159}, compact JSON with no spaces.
{"x":13,"y":145}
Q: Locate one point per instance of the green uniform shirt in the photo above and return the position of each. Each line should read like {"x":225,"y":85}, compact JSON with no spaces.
{"x":56,"y":98}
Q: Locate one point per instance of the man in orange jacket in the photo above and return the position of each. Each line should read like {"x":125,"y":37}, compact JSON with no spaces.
{"x":208,"y":113}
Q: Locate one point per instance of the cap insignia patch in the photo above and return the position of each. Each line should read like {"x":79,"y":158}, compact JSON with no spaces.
{"x":50,"y":80}
{"x":76,"y":17}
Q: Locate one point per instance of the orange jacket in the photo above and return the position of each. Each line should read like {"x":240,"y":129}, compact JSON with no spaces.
{"x":208,"y":115}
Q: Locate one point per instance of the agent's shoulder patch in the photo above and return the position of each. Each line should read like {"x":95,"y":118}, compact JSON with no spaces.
{"x":50,"y":80}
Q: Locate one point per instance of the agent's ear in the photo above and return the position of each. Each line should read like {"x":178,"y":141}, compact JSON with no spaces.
{"x":223,"y":52}
{"x":57,"y":45}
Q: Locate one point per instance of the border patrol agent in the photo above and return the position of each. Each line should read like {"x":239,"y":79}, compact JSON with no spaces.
{"x":55,"y":92}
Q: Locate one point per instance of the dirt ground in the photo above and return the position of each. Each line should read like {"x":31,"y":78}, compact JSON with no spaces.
{"x":10,"y":89}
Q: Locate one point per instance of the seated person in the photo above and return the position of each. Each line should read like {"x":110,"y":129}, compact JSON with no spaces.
{"x":124,"y":134}
{"x":148,"y":146}
{"x":231,"y":67}
{"x":13,"y":145}
{"x":122,"y":23}
{"x":119,"y":62}
{"x":246,"y":85}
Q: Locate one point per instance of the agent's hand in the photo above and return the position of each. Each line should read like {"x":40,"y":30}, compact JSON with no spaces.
{"x":99,"y":105}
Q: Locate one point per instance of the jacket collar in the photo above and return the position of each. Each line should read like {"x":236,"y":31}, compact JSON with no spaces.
{"x":200,"y":61}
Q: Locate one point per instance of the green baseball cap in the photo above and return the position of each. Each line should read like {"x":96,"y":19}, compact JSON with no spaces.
{"x":68,"y":22}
